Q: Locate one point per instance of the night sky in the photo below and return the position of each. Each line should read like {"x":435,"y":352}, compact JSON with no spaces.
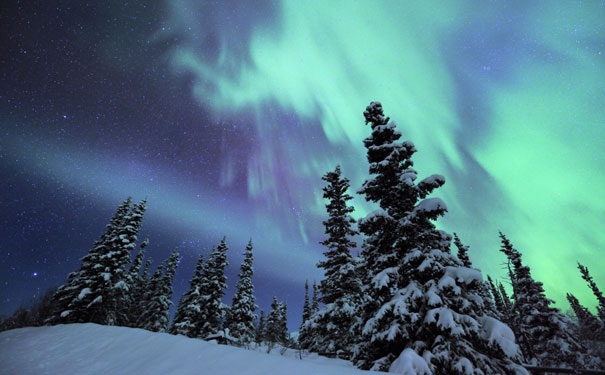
{"x":226,"y":114}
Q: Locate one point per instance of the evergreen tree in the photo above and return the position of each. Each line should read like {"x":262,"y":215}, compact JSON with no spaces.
{"x":590,"y":328}
{"x":188,"y":313}
{"x":315,"y":299}
{"x":595,"y":290}
{"x":545,"y":333}
{"x":156,"y":316}
{"x":137,"y":286}
{"x":421,"y":301}
{"x":340,"y":288}
{"x":498,"y":302}
{"x":99,"y":277}
{"x":462,"y":252}
{"x":260,"y":329}
{"x":276,"y":331}
{"x":303,"y":334}
{"x":212,"y":289}
{"x":112,"y":299}
{"x":242,"y":316}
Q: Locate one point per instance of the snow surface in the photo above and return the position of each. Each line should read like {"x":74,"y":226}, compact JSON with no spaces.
{"x":410,"y":363}
{"x":95,"y":349}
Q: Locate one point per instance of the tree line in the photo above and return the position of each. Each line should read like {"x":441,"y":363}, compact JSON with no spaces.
{"x":405,"y":298}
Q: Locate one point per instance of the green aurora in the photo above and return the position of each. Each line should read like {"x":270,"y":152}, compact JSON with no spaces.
{"x":503,"y":98}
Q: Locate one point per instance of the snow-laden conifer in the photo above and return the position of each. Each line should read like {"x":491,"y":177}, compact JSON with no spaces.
{"x":137,"y":286}
{"x":242,"y":316}
{"x":340,"y":289}
{"x":545,"y":333}
{"x":422,"y":302}
{"x":212,"y":289}
{"x":595,"y":290}
{"x":276,"y":331}
{"x":156,"y":315}
{"x":188,"y":313}
{"x":80,"y":299}
{"x":304,"y":338}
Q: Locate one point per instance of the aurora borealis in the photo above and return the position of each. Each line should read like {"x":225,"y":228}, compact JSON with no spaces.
{"x":226,"y":115}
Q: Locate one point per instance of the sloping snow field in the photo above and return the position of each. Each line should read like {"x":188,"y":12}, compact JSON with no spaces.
{"x":75,"y":349}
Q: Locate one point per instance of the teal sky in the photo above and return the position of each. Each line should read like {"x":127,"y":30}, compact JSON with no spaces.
{"x":503,"y":98}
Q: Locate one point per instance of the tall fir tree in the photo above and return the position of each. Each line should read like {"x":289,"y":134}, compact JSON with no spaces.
{"x":545,"y":333}
{"x":595,"y":290}
{"x":156,"y":316}
{"x":212,"y":287}
{"x":242,"y":316}
{"x":98,"y":291}
{"x":421,"y":301}
{"x":340,"y":289}
{"x":188,"y":313}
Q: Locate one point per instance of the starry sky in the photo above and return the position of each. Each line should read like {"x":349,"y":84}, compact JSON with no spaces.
{"x":226,"y":114}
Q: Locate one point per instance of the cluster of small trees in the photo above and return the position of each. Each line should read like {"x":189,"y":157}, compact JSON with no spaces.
{"x":406,"y":299}
{"x":111,"y":288}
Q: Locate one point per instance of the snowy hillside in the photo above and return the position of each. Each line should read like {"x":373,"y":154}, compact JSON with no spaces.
{"x":94,"y":349}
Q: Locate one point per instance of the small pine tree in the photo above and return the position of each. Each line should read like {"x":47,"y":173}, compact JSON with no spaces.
{"x":156,"y":316}
{"x":595,"y":290}
{"x":188,"y":313}
{"x":303,"y":335}
{"x":212,"y":290}
{"x":462,"y":252}
{"x":590,"y":328}
{"x":260,"y":329}
{"x":137,"y":286}
{"x":242,"y":317}
{"x":545,"y":333}
{"x":276,"y":331}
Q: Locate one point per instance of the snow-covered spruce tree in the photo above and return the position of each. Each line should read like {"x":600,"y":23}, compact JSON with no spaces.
{"x":423,"y":305}
{"x":188,"y":312}
{"x":259,"y":335}
{"x":340,"y":289}
{"x":303,"y":333}
{"x":484,"y":291}
{"x":497,"y":297}
{"x":595,"y":290}
{"x":276,"y":331}
{"x":74,"y":300}
{"x":137,"y":285}
{"x":590,"y":328}
{"x":242,"y":316}
{"x":545,"y":333}
{"x":212,"y":290}
{"x":156,"y":316}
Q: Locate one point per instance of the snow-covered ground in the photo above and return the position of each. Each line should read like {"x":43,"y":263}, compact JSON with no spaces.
{"x":93,"y":349}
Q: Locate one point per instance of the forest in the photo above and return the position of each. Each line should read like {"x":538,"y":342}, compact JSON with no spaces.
{"x":411,"y":295}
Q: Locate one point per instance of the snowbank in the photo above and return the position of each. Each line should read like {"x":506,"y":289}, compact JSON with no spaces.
{"x":94,"y":349}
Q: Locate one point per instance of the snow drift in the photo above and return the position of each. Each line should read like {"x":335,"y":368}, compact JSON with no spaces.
{"x":95,"y":349}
